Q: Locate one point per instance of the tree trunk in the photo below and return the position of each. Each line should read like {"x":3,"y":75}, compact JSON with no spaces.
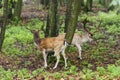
{"x":68,"y":15}
{"x":89,"y":5}
{"x":3,"y":28}
{"x":44,"y":2}
{"x":61,"y":2}
{"x":0,"y":3}
{"x":47,"y":27}
{"x":52,"y":18}
{"x":82,"y":3}
{"x":72,"y":20}
{"x":18,"y":8}
{"x":37,"y":2}
{"x":105,"y":3}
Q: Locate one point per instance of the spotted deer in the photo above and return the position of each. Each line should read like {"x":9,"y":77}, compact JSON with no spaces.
{"x":45,"y":45}
{"x":79,"y":39}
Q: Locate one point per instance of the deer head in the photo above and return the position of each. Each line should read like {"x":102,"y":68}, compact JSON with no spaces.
{"x":89,"y":34}
{"x":87,"y":37}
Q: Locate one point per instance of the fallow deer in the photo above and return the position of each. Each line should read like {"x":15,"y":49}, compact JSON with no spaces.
{"x":79,"y":39}
{"x":45,"y":45}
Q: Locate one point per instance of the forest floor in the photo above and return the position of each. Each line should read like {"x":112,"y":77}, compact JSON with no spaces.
{"x":33,"y":62}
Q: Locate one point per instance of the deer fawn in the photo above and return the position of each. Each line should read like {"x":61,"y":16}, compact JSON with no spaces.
{"x":45,"y":45}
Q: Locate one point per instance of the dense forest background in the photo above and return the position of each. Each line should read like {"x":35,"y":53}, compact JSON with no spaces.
{"x":19,"y":58}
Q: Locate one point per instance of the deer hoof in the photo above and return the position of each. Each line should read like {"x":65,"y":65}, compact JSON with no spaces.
{"x":54,"y":67}
{"x":80,"y":58}
{"x":45,"y":66}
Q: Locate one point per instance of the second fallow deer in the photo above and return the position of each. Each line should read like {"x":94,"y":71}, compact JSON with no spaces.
{"x":78,"y":40}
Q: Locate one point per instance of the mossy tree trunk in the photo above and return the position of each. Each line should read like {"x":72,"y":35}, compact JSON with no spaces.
{"x":68,"y":15}
{"x":10,"y":8}
{"x":61,"y":2}
{"x":0,"y":3}
{"x":3,"y":28}
{"x":71,"y":23}
{"x":37,"y":2}
{"x":82,"y":3}
{"x":52,"y":28}
{"x":18,"y":8}
{"x":44,"y":2}
{"x":89,"y":5}
{"x":105,"y":3}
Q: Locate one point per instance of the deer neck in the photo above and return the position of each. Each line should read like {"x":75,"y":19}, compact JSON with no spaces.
{"x":37,"y":39}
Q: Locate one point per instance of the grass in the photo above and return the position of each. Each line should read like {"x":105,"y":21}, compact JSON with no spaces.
{"x":111,"y":72}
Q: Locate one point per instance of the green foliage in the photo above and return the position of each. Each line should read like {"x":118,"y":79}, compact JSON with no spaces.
{"x":57,"y":75}
{"x":101,"y":70}
{"x":37,"y":71}
{"x":17,"y":41}
{"x":114,"y":71}
{"x":23,"y":74}
{"x":73,"y":69}
{"x":6,"y":74}
{"x":117,"y":63}
{"x":113,"y":29}
{"x":88,"y":74}
{"x":110,"y":18}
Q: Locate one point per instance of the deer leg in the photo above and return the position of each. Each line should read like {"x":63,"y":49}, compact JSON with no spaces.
{"x":45,"y":58}
{"x":80,"y":50}
{"x":64,"y":56}
{"x":58,"y":59}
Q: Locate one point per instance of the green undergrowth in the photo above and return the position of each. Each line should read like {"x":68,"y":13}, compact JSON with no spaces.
{"x":109,"y":73}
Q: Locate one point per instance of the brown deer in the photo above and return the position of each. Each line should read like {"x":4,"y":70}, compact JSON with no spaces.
{"x":45,"y":45}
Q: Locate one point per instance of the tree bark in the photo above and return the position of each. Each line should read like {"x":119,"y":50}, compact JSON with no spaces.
{"x":18,"y":8}
{"x":0,"y":3}
{"x":52,"y":18}
{"x":37,"y":2}
{"x":89,"y":5}
{"x":47,"y":27}
{"x":3,"y":28}
{"x":107,"y":3}
{"x":68,"y":14}
{"x":82,"y":3}
{"x":73,"y":17}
